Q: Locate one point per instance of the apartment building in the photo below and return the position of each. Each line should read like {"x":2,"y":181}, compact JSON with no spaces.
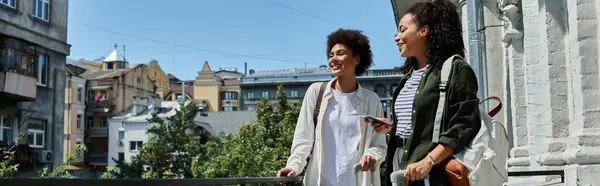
{"x":110,"y":91}
{"x":33,"y":50}
{"x":74,"y":112}
{"x":212,"y":91}
{"x":263,"y":84}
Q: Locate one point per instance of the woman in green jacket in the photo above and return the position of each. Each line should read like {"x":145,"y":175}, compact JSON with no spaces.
{"x":428,"y":34}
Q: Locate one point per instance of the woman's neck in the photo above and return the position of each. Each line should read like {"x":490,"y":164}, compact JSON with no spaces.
{"x":422,"y":62}
{"x":345,"y":84}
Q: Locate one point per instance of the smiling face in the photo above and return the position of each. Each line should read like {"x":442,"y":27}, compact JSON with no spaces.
{"x":341,"y":61}
{"x":411,"y":39}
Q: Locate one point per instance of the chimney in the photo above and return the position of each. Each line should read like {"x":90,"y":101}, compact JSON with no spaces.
{"x":251,"y":71}
{"x":245,"y":68}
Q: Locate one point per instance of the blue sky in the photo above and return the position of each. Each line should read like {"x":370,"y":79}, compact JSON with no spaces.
{"x":267,"y":34}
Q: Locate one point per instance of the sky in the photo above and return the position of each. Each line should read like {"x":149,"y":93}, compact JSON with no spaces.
{"x":266,"y":34}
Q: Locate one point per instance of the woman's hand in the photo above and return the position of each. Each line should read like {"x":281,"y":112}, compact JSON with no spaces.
{"x":382,"y":128}
{"x":286,"y":172}
{"x":418,"y":171}
{"x":367,"y":163}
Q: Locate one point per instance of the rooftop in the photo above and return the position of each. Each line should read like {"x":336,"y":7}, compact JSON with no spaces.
{"x":102,"y":74}
{"x":114,"y":56}
{"x":224,"y":122}
{"x":290,"y":72}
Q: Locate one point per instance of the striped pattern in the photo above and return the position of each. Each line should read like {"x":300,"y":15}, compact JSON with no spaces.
{"x":404,"y":104}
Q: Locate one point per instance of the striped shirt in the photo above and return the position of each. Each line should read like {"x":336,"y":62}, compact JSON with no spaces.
{"x":404,"y":104}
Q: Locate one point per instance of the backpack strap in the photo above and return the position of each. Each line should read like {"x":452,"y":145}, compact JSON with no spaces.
{"x":316,"y":114}
{"x":318,"y":105}
{"x":444,"y":77}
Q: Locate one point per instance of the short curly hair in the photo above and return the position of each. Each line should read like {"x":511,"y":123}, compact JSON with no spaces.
{"x":358,"y":44}
{"x":445,"y":32}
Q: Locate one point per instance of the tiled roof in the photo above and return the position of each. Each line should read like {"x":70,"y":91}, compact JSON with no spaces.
{"x":92,"y":63}
{"x":226,"y":122}
{"x":75,"y":63}
{"x":290,"y":72}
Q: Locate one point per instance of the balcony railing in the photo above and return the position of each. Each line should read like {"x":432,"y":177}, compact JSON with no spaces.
{"x":17,"y":87}
{"x":148,"y":182}
{"x":97,"y":131}
{"x":97,"y":158}
{"x":102,"y":106}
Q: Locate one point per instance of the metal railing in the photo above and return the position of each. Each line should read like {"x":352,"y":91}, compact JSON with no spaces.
{"x":147,"y":182}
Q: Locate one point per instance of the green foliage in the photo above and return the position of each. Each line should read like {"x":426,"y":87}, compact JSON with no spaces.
{"x":259,"y":149}
{"x":170,"y":150}
{"x":8,"y":167}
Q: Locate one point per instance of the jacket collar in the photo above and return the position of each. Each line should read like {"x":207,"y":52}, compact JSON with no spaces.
{"x":328,"y":89}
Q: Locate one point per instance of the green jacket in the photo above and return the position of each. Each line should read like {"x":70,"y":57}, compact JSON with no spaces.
{"x":460,"y":122}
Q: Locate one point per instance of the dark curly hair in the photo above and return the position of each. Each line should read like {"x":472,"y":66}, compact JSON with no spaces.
{"x":444,"y":38}
{"x":358,"y":44}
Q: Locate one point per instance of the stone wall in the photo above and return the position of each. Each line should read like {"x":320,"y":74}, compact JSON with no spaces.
{"x":549,"y":82}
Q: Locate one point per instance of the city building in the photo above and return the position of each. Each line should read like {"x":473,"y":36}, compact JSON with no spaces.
{"x":33,"y":50}
{"x":128,"y":130}
{"x":110,"y":91}
{"x":212,"y":91}
{"x":263,"y":84}
{"x":159,"y":77}
{"x":74,"y":126}
{"x":217,"y":91}
{"x":542,"y":61}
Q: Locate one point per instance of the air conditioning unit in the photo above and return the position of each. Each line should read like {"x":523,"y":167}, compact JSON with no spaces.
{"x":45,"y":156}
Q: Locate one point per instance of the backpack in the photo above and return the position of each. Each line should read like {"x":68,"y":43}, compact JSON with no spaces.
{"x":486,"y":155}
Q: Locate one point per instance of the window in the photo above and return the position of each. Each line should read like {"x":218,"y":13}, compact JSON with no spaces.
{"x":121,"y":135}
{"x":109,"y":65}
{"x":121,"y":156}
{"x":35,"y":133}
{"x":294,"y":93}
{"x":9,"y":3}
{"x":42,"y":73}
{"x":90,"y":95}
{"x":393,"y":90}
{"x":19,"y":56}
{"x":89,"y":122}
{"x":250,"y":95}
{"x":265,"y":94}
{"x":385,"y":108}
{"x":135,"y":145}
{"x":80,"y":154}
{"x":5,"y":130}
{"x":79,"y":94}
{"x":103,"y":122}
{"x":251,"y":107}
{"x":41,"y":9}
{"x":230,"y":96}
{"x":380,"y":90}
{"x":120,"y":65}
{"x":79,"y":121}
{"x":228,"y":108}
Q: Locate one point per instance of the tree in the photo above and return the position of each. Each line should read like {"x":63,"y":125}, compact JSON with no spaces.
{"x":170,"y":150}
{"x":259,"y":149}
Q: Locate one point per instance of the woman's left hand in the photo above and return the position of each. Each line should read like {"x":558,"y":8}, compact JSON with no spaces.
{"x":418,"y":170}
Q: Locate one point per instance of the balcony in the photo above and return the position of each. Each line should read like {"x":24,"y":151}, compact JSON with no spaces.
{"x":98,"y":158}
{"x":100,"y":106}
{"x":17,"y":87}
{"x":98,"y":132}
{"x":232,"y":102}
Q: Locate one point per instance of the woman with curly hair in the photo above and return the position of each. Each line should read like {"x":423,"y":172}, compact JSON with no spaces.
{"x":428,"y":34}
{"x":332,"y":132}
